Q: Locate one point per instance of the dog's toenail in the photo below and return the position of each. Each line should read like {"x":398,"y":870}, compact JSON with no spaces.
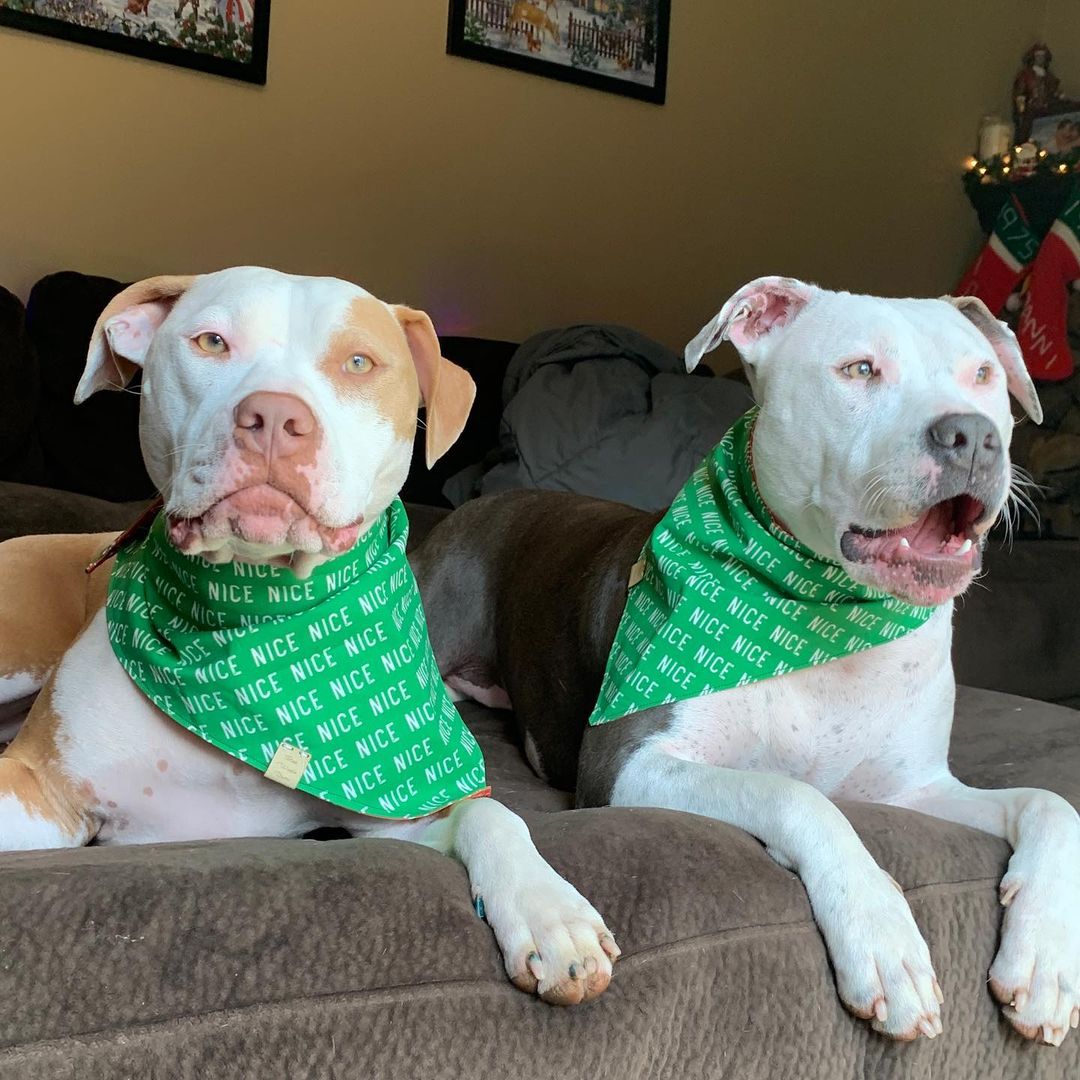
{"x":574,"y":970}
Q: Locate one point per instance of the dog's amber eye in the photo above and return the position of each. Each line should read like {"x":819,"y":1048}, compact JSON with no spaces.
{"x":859,"y":369}
{"x":982,"y":376}
{"x":212,"y":344}
{"x":358,"y":364}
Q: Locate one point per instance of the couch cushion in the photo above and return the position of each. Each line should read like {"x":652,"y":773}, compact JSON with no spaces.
{"x":26,"y":509}
{"x":1018,"y":628}
{"x":91,"y":448}
{"x":364,"y":958}
{"x":20,"y":452}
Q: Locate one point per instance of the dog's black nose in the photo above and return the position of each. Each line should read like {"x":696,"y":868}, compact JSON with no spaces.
{"x":967,"y":440}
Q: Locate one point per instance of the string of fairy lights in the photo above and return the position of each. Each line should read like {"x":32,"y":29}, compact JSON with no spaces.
{"x":1022,"y":163}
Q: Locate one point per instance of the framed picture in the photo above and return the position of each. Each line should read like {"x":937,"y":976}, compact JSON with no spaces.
{"x":1057,"y":130}
{"x":223,"y":37}
{"x":615,"y":45}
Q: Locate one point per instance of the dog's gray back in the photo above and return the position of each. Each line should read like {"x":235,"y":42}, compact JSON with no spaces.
{"x":524,"y":591}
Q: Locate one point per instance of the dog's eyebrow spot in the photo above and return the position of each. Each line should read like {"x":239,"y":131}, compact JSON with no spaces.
{"x":370,"y":328}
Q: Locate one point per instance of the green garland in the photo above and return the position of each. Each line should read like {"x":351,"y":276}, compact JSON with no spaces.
{"x":1001,"y":169}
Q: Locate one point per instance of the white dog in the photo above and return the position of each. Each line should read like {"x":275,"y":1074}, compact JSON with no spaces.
{"x":882,"y":447}
{"x":277,"y":421}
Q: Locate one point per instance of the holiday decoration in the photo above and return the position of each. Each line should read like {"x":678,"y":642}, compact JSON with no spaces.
{"x":1035,"y":89}
{"x":1043,"y":330}
{"x":997,"y":269}
{"x":995,"y":136}
{"x":1025,"y":161}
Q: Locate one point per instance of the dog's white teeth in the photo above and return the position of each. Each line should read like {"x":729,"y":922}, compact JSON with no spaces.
{"x":904,"y":542}
{"x":965,"y":547}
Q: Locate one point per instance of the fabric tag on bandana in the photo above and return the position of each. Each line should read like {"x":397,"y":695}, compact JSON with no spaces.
{"x":287,"y":766}
{"x":723,"y":596}
{"x":331,"y":678}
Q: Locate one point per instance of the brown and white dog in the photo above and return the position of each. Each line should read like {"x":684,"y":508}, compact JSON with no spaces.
{"x":277,"y":421}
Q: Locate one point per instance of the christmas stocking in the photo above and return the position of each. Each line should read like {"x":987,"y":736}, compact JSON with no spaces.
{"x":1043,"y":330}
{"x":1001,"y":264}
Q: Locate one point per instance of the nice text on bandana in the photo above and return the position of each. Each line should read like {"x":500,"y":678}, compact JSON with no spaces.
{"x":249,"y":658}
{"x":727,"y":597}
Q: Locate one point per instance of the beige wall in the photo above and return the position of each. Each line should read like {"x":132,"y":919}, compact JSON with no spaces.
{"x":1061,"y":28}
{"x":823,"y":144}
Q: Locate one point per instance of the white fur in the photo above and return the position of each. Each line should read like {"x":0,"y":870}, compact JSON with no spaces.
{"x":768,"y":757}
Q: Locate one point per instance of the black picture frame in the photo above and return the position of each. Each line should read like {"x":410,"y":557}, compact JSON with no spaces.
{"x":252,"y":71}
{"x":457,"y":45}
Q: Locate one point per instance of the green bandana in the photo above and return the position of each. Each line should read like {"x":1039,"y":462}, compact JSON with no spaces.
{"x":332,"y":677}
{"x":723,"y":597}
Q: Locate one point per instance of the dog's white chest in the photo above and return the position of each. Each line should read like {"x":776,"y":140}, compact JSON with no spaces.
{"x":854,"y":727}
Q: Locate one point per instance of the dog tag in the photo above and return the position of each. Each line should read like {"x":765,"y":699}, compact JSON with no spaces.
{"x":637,"y":572}
{"x":287,"y":765}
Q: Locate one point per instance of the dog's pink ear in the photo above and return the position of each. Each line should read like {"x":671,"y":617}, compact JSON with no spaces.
{"x":447,"y":390}
{"x":124,"y":330}
{"x":1007,"y":349}
{"x":761,"y":307}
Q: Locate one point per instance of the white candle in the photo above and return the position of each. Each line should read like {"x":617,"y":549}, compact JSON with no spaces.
{"x":995,"y":137}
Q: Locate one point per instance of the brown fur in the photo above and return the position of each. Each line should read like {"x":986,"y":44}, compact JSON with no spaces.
{"x":47,"y":598}
{"x":448,"y":390}
{"x":30,"y":770}
{"x":392,"y":384}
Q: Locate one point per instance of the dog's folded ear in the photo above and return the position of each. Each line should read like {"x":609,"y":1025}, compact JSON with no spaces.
{"x":124,"y":330}
{"x":447,"y":390}
{"x":760,"y":307}
{"x":1007,"y":349}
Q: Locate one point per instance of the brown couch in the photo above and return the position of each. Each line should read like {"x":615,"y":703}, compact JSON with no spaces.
{"x":289,"y":958}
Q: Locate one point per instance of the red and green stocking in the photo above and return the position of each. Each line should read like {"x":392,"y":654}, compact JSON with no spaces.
{"x":1043,"y":329}
{"x":1001,"y":264}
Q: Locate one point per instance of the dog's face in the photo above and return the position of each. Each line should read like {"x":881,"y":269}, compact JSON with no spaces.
{"x":885,"y":426}
{"x":278,"y":412}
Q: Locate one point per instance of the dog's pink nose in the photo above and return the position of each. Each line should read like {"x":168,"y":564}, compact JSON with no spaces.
{"x":277,"y":425}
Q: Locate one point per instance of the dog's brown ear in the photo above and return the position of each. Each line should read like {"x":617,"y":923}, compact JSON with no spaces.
{"x":1007,"y":348}
{"x":759,"y":307}
{"x":447,"y":390}
{"x":123,"y":332}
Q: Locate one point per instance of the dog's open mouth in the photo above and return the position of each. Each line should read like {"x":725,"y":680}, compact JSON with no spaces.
{"x":262,"y":522}
{"x":928,"y":561}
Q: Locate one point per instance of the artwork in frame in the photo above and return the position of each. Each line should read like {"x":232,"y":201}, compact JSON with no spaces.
{"x":615,"y":45}
{"x":1057,"y":130}
{"x":223,"y":37}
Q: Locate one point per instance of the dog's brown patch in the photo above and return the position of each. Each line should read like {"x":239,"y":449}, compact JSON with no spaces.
{"x":391,"y":386}
{"x":31,"y":771}
{"x":46,"y":598}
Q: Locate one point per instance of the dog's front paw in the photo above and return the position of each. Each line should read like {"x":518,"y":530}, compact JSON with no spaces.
{"x":553,"y":941}
{"x":883,"y":968}
{"x":1036,"y":973}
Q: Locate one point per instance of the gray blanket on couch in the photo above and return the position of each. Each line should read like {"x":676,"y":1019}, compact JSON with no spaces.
{"x":605,"y":411}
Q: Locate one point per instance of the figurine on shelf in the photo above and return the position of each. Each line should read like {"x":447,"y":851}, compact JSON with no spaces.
{"x":1025,"y":160}
{"x":1035,"y":88}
